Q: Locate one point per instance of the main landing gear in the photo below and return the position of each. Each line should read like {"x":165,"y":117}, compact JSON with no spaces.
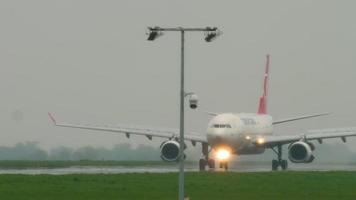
{"x":279,"y":161}
{"x":206,"y":161}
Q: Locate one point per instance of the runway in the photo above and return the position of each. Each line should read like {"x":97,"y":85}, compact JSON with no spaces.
{"x":189,"y":167}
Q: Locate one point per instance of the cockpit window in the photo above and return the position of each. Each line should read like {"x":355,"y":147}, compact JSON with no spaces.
{"x":221,"y":126}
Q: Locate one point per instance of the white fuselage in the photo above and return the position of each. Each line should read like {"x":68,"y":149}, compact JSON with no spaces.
{"x":237,"y":130}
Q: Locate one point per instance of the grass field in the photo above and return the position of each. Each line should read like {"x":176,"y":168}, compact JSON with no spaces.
{"x":202,"y":186}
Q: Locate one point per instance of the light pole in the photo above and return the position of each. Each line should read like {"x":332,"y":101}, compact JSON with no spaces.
{"x":210,"y":34}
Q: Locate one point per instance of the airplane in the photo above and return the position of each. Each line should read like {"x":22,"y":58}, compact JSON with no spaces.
{"x":235,"y":134}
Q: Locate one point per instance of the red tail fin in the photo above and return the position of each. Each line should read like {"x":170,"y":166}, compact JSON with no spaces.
{"x":262,"y":108}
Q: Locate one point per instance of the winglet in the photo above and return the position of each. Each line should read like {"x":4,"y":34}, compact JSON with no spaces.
{"x":52,"y":118}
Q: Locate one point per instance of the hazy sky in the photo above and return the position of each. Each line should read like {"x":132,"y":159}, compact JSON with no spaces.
{"x":89,"y":61}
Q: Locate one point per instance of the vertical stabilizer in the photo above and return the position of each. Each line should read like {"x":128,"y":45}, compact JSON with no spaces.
{"x":262,"y":108}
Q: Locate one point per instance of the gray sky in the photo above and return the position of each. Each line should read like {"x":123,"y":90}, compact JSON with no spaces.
{"x":89,"y":61}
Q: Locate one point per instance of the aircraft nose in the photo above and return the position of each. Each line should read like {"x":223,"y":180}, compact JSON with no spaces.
{"x":216,"y":136}
{"x":218,"y":139}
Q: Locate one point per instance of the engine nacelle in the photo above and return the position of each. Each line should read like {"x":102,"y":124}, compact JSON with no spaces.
{"x":301,"y":152}
{"x":170,"y":151}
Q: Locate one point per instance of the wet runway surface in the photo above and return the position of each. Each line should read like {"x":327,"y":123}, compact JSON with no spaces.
{"x":190,"y":167}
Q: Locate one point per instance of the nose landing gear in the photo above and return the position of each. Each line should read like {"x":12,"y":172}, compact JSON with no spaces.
{"x":224,"y":165}
{"x":279,"y":161}
{"x":206,"y":161}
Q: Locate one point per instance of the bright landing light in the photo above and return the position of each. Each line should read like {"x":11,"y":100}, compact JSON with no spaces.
{"x":223,"y":154}
{"x":260,"y":141}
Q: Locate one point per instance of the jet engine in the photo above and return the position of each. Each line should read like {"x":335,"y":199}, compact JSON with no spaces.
{"x":301,"y":152}
{"x":170,"y":150}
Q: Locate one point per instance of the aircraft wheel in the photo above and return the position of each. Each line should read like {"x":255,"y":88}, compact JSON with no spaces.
{"x":284,"y":164}
{"x":202,"y":164}
{"x":211,"y":163}
{"x":226,"y":166}
{"x":275,"y":165}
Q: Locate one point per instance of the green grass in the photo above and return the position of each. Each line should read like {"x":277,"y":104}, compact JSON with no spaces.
{"x":202,"y":186}
{"x":23,"y":164}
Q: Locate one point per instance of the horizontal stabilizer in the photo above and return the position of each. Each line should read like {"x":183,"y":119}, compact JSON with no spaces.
{"x":211,"y":113}
{"x":298,"y":118}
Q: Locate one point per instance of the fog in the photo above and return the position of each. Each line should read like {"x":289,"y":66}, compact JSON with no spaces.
{"x":90,"y":62}
{"x":327,"y":153}
{"x":122,"y":151}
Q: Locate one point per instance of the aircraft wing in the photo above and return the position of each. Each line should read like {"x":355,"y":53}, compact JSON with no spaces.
{"x":319,"y":135}
{"x":127,"y":130}
{"x":298,"y":118}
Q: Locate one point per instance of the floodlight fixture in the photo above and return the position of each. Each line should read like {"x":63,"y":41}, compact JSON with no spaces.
{"x":153,"y":33}
{"x":211,"y":33}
